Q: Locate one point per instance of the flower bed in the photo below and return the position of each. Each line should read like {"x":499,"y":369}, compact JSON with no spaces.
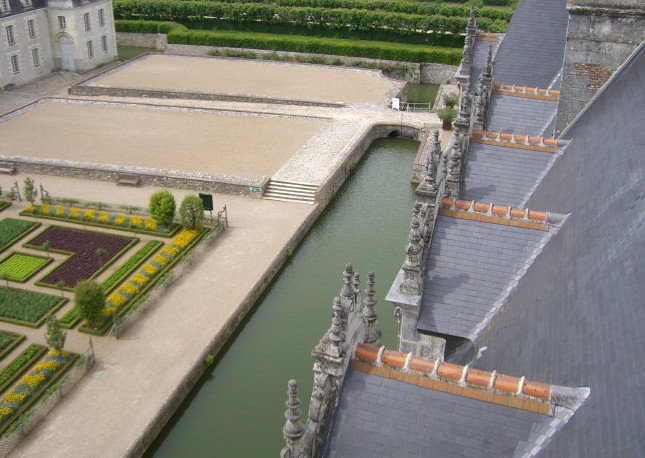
{"x":32,"y":385}
{"x":12,"y":229}
{"x":8,"y":341}
{"x":26,"y":308}
{"x":85,"y":263}
{"x":133,"y":288}
{"x":19,"y":365}
{"x":4,"y":204}
{"x":114,"y":220}
{"x":20,"y":266}
{"x":70,"y":319}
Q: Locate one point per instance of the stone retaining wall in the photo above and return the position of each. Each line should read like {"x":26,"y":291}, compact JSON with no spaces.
{"x":95,"y":91}
{"x":415,"y":73}
{"x":147,"y":177}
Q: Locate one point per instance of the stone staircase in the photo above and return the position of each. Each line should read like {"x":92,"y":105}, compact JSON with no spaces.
{"x":290,"y":191}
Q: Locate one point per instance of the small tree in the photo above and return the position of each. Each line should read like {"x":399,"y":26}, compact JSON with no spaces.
{"x":55,"y":335}
{"x":100,"y":252}
{"x":5,"y":277}
{"x":162,"y":207}
{"x":89,"y":299}
{"x":29,"y":188}
{"x":46,"y":247}
{"x":60,"y":284}
{"x":191,"y":212}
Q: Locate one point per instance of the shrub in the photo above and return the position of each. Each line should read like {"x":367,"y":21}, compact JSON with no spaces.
{"x":162,"y":207}
{"x":89,"y":299}
{"x":191,"y":212}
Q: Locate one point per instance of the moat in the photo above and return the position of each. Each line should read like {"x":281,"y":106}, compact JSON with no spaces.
{"x":237,"y":408}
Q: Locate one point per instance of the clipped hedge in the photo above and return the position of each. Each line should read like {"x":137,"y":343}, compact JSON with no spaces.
{"x":354,"y":19}
{"x":332,"y":46}
{"x":19,"y":365}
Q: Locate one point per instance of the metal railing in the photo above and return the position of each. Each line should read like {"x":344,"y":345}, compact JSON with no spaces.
{"x":415,"y":107}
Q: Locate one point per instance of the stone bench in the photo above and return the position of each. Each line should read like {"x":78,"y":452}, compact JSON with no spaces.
{"x":7,"y":168}
{"x":128,"y":179}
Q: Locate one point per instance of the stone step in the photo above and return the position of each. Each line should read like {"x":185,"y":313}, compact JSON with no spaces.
{"x":290,"y":191}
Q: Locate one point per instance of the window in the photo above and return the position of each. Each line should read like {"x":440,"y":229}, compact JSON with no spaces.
{"x":27,"y":3}
{"x":86,"y":21}
{"x":62,"y":23}
{"x":15,"y":65}
{"x":90,"y":49}
{"x":4,"y":6}
{"x":104,"y":43}
{"x":31,"y":28}
{"x":11,"y":39}
{"x":35,"y":57}
{"x":101,"y":17}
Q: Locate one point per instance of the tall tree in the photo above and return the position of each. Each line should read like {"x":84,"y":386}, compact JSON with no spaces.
{"x":29,"y":188}
{"x":162,"y":207}
{"x":55,"y":335}
{"x":89,"y":299}
{"x":191,"y":212}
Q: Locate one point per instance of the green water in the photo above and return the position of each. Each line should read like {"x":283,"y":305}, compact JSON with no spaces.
{"x":128,"y":52}
{"x":237,"y":409}
{"x":421,"y":93}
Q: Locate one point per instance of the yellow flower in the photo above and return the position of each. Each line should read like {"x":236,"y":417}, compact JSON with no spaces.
{"x":117,"y":299}
{"x":104,"y":217}
{"x":44,"y":208}
{"x":140,"y":279}
{"x":108,"y":311}
{"x":88,"y":214}
{"x":185,"y":237}
{"x":52,"y":365}
{"x":136,"y":221}
{"x":129,"y":288}
{"x":14,"y":398}
{"x":31,"y":208}
{"x":150,"y":269}
{"x":151,"y":224}
{"x":74,"y":212}
{"x":171,"y":250}
{"x":161,"y":260}
{"x":120,"y":219}
{"x":59,"y":210}
{"x":33,"y":381}
{"x":5,"y":411}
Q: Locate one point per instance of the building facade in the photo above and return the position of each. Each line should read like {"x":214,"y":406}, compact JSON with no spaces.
{"x":41,"y":36}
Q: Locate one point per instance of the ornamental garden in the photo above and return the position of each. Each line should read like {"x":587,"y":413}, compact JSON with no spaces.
{"x":66,"y":268}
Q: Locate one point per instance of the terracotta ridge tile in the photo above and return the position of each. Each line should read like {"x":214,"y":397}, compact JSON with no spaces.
{"x":515,"y":140}
{"x":493,"y":210}
{"x":456,"y":379}
{"x":525,"y":91}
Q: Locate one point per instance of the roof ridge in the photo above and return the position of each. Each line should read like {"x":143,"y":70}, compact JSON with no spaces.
{"x":532,"y":142}
{"x":493,"y":387}
{"x":506,"y":215}
{"x":525,"y":91}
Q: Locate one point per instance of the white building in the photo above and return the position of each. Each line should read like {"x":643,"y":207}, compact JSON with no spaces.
{"x":41,"y":36}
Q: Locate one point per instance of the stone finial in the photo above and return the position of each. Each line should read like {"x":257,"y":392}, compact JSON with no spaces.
{"x":336,"y":335}
{"x":357,"y":290}
{"x":412,"y":264}
{"x":471,"y":27}
{"x":347,"y":291}
{"x":369,"y":314}
{"x":462,"y":123}
{"x":488,"y":70}
{"x":293,"y":428}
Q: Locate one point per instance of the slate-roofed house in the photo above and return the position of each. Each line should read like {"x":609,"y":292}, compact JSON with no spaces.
{"x":41,"y":36}
{"x":552,"y":295}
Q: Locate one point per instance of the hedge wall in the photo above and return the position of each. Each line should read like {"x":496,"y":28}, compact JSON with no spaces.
{"x":179,"y":34}
{"x":354,"y":19}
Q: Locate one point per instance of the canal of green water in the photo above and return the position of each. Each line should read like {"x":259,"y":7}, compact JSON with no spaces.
{"x":237,"y":408}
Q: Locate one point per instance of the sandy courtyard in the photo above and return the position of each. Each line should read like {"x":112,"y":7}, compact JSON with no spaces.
{"x":264,"y":78}
{"x":174,"y":139}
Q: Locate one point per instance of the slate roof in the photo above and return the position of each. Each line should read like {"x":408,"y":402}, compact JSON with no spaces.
{"x":581,"y":303}
{"x":480,"y":56}
{"x":395,"y":405}
{"x":502,"y":174}
{"x":471,"y":269}
{"x":532,"y":52}
{"x":527,"y":116}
